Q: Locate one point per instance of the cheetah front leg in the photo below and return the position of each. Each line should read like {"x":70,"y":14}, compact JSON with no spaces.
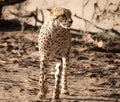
{"x":58,"y":74}
{"x":43,"y":79}
{"x":65,"y":64}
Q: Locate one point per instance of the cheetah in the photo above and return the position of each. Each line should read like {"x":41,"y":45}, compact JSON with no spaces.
{"x":54,"y":42}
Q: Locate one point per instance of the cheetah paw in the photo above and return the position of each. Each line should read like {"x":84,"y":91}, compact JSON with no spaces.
{"x":41,"y":96}
{"x":65,"y":92}
{"x":56,"y":100}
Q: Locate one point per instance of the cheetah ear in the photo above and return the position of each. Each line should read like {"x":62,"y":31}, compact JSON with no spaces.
{"x":49,"y":9}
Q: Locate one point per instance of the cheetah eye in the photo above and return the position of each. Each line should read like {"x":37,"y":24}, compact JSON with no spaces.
{"x":64,"y":16}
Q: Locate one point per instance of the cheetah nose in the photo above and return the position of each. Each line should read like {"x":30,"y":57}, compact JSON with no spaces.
{"x":70,"y":20}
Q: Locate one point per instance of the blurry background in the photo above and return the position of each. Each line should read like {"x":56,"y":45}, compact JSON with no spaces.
{"x":104,"y":13}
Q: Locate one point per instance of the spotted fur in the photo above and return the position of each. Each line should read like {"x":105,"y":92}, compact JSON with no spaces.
{"x":54,"y":43}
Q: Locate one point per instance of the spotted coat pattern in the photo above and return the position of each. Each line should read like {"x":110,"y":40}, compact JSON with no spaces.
{"x":54,"y":43}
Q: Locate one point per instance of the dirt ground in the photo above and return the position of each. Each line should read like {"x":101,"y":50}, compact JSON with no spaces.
{"x":94,"y":74}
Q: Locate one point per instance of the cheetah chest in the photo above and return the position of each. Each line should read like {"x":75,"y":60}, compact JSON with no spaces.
{"x":55,"y":43}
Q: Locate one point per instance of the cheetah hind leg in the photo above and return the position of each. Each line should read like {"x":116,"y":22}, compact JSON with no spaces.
{"x":43,"y":87}
{"x":58,"y":73}
{"x":64,"y":89}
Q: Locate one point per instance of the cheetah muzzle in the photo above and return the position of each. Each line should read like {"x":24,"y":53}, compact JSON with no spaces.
{"x":55,"y":43}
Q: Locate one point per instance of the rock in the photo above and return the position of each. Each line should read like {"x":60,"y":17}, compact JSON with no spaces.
{"x":8,"y":2}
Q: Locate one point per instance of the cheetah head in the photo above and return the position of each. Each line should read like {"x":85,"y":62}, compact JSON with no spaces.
{"x":61,"y":17}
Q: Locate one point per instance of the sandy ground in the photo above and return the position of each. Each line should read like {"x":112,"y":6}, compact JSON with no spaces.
{"x":94,"y":74}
